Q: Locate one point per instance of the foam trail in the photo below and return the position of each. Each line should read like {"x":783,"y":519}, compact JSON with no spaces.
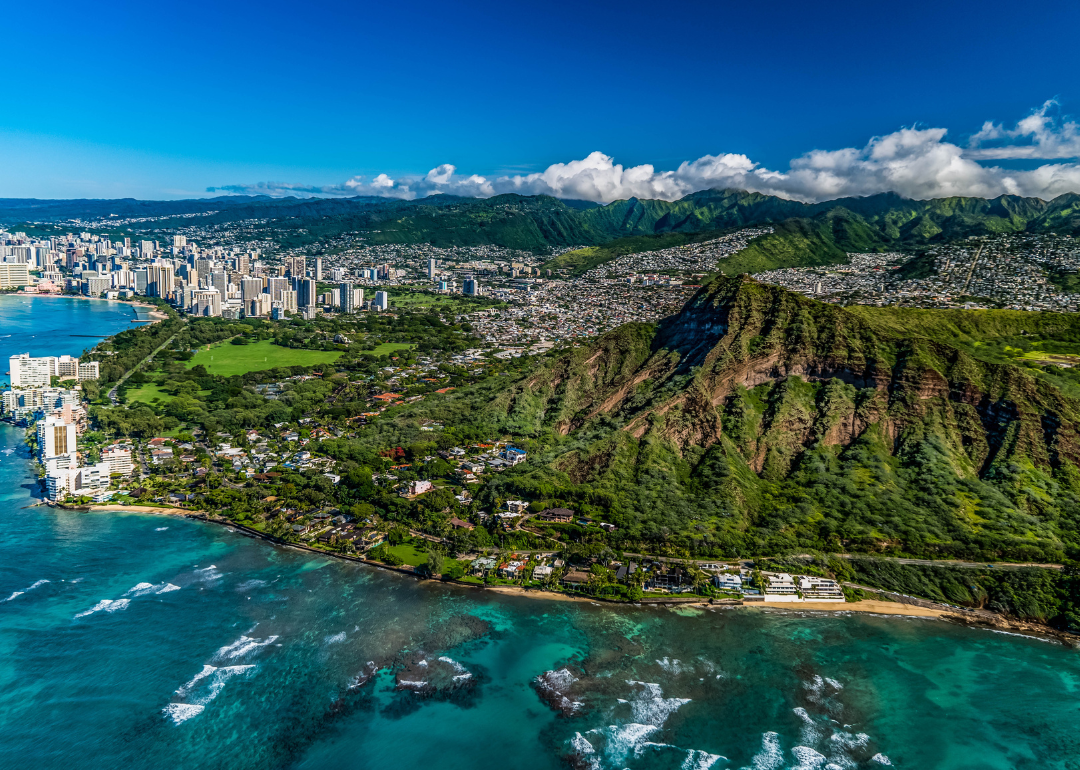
{"x":20,"y":593}
{"x":142,"y":589}
{"x":771,"y":757}
{"x":242,"y":646}
{"x":700,"y":760}
{"x":215,"y":679}
{"x":106,"y":605}
{"x":181,"y":712}
{"x":335,"y":638}
{"x":624,"y":740}
{"x":808,"y":758}
{"x":207,"y":670}
{"x":161,"y":529}
{"x":650,"y":707}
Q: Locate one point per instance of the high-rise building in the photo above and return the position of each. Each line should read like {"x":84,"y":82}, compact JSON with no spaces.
{"x":259,"y":305}
{"x":179,"y":241}
{"x":471,"y":287}
{"x":13,"y":274}
{"x":296,"y":267}
{"x":118,"y":456}
{"x":306,"y":294}
{"x":274,"y":287}
{"x":146,"y":249}
{"x":318,"y":268}
{"x":288,"y":301}
{"x":207,"y":302}
{"x":431,"y":268}
{"x":56,"y":438}
{"x":347,"y":297}
{"x":160,"y":280}
{"x":242,"y":262}
{"x":219,"y":280}
{"x":27,"y":372}
{"x":250,"y":288}
{"x":382,"y":300}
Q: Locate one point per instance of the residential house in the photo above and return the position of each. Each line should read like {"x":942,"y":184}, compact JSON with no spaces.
{"x":558,"y":515}
{"x":482,"y":566}
{"x":414,"y":488}
{"x":817,"y":589}
{"x":728,"y":582}
{"x":780,"y":587}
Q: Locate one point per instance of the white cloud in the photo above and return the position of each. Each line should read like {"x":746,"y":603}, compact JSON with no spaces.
{"x":1043,"y":135}
{"x":916,"y":163}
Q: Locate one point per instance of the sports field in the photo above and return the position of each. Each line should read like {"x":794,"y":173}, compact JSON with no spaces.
{"x":388,"y":349}
{"x":228,"y":360}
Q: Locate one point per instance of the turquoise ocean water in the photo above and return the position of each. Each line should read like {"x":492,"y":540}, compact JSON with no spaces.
{"x":130,"y":641}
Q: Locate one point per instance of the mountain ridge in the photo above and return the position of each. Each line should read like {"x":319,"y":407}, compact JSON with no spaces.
{"x":761,"y":421}
{"x":542,"y":223}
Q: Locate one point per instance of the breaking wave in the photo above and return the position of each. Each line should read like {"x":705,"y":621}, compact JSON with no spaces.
{"x":106,"y":605}
{"x":142,"y":589}
{"x":649,"y":706}
{"x":20,"y":593}
{"x":181,"y":712}
{"x":201,"y":689}
{"x":242,"y":646}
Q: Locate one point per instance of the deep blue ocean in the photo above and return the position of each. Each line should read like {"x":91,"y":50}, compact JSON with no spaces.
{"x":135,"y":641}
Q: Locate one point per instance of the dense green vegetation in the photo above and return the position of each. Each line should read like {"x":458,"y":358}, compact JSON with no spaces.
{"x":580,"y":261}
{"x":1036,"y":341}
{"x":896,"y":444}
{"x":177,"y":389}
{"x":757,"y":422}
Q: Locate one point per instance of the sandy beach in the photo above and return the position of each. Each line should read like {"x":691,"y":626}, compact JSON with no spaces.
{"x":139,"y":509}
{"x":881,"y":608}
{"x":154,"y":314}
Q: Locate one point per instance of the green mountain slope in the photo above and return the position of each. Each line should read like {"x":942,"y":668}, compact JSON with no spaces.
{"x":761,"y":421}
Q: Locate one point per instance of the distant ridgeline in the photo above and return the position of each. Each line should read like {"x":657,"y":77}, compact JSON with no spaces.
{"x":762,"y":421}
{"x":805,"y":234}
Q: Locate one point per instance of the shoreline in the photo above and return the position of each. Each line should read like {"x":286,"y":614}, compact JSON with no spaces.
{"x":153,"y":312}
{"x":984,"y":619}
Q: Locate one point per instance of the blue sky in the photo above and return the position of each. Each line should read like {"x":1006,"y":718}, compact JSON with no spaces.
{"x":168,"y":99}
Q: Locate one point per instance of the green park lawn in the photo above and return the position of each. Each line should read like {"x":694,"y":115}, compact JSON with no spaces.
{"x":148,"y":393}
{"x":388,"y":349}
{"x":228,"y":360}
{"x":450,"y":303}
{"x":409,"y":554}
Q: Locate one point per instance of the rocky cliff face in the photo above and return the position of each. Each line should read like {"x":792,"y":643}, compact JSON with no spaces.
{"x":776,"y":373}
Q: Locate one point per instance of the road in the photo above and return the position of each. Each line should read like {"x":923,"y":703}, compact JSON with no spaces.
{"x":116,"y":387}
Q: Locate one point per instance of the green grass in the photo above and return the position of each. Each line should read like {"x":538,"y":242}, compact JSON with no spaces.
{"x":409,"y":554}
{"x":227,"y":360}
{"x":448,"y":302}
{"x":148,"y":394}
{"x":388,"y":349}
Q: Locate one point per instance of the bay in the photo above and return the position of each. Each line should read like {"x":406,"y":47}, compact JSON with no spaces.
{"x":159,"y":642}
